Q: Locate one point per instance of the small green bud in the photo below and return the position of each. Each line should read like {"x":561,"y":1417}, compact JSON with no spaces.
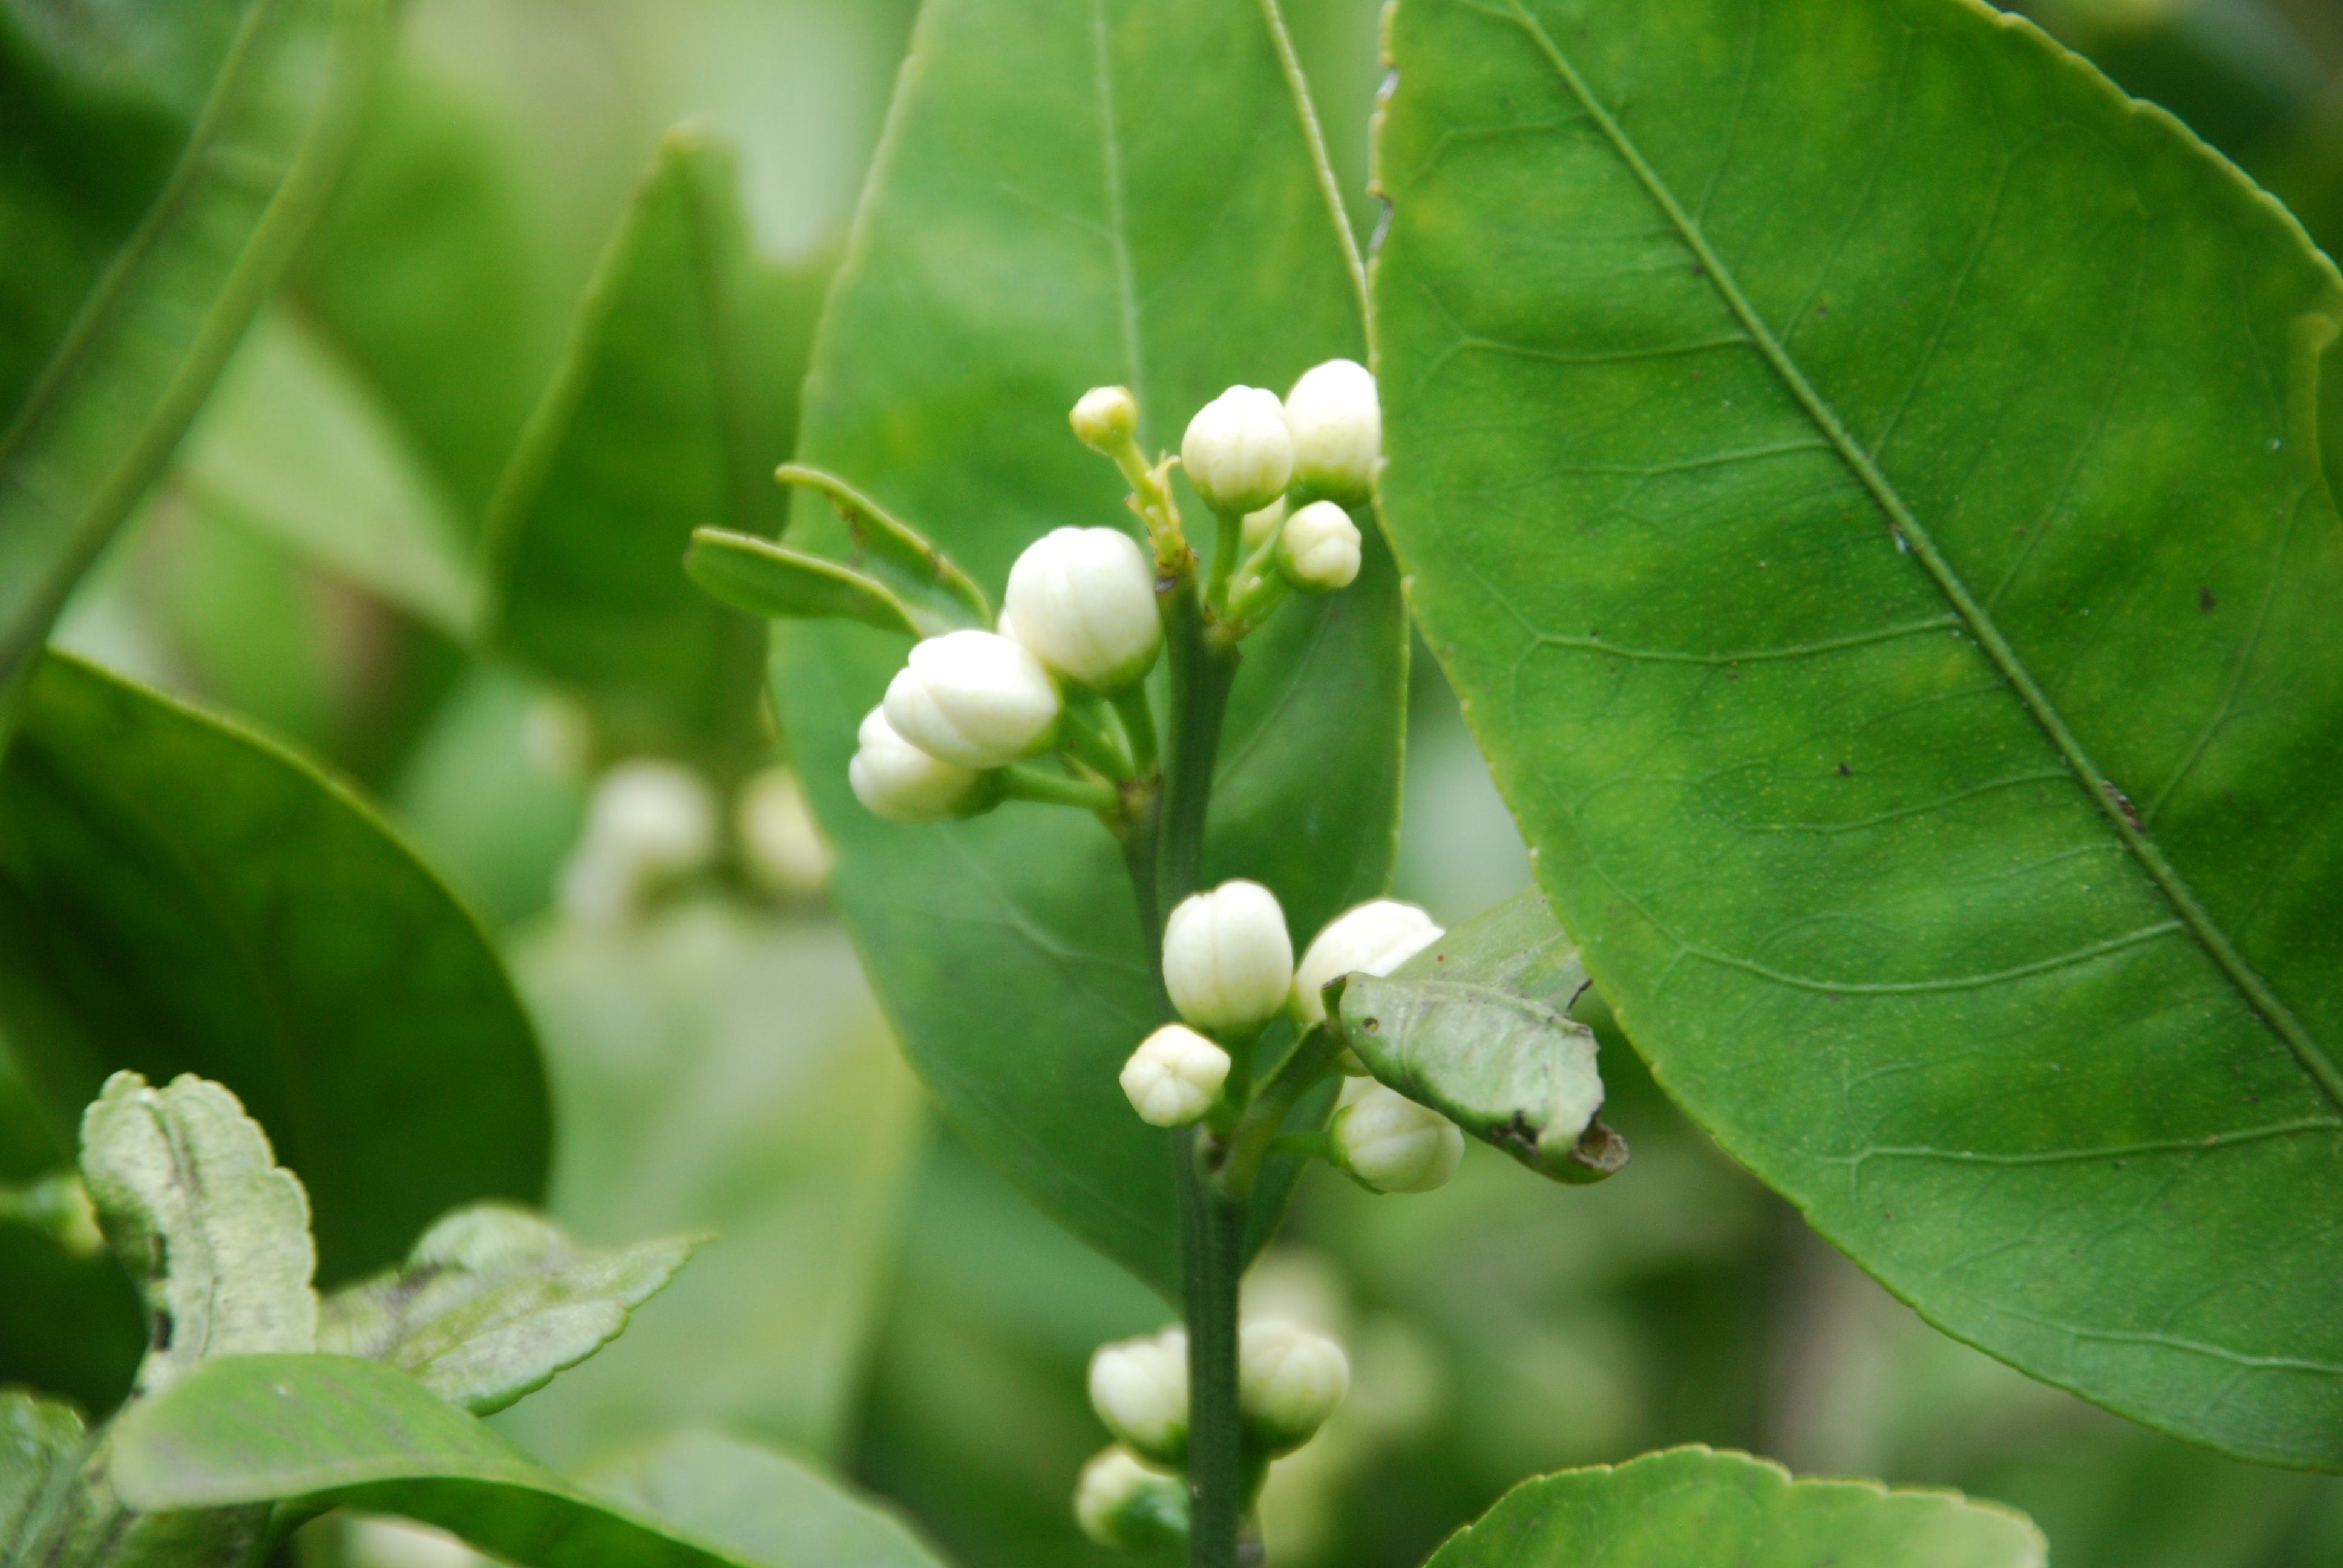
{"x":1106,"y":418}
{"x":1124,"y":1504}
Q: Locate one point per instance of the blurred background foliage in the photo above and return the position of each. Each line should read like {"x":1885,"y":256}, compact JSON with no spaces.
{"x":379,"y":541}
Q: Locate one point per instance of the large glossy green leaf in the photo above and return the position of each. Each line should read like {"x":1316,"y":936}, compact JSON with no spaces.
{"x":178,"y":895}
{"x":676,"y":400}
{"x":1691,"y":1506}
{"x":719,"y":1070}
{"x":331,"y":1430}
{"x":160,"y":170}
{"x":1861,"y":471}
{"x":1070,"y":196}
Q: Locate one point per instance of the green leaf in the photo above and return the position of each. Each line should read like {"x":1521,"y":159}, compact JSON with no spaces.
{"x":773,"y":580}
{"x":1477,"y":1027}
{"x":493,"y":1301}
{"x":1860,"y":471}
{"x":1068,"y":198}
{"x":719,"y":1070}
{"x":330,"y":1429}
{"x":41,"y":1447}
{"x":1689,"y":1505}
{"x":178,"y":895}
{"x":213,"y":1230}
{"x":297,"y":447}
{"x":759,"y":1505}
{"x":160,"y":172}
{"x":676,"y":399}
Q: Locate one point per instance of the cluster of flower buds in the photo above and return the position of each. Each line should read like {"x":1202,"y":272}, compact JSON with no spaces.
{"x":1288,"y":1381}
{"x":1228,"y":969}
{"x":1060,"y":670}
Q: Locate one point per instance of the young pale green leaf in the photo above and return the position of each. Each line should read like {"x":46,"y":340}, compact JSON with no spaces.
{"x":773,"y":580}
{"x":178,"y":895}
{"x":1860,"y":473}
{"x":880,"y":541}
{"x":42,"y":1443}
{"x":1068,"y":198}
{"x":1477,"y":1027}
{"x":213,"y":1230}
{"x":155,"y":185}
{"x":759,"y":1505}
{"x":674,"y":402}
{"x":296,"y":446}
{"x":716,"y":1069}
{"x":330,"y":1429}
{"x":493,"y":1301}
{"x":1688,"y":1505}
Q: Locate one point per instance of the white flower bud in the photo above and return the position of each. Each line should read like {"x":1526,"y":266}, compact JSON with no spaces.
{"x":780,"y":843}
{"x":1105,"y":418}
{"x":1227,"y":959}
{"x":1288,"y":1381}
{"x":1370,"y":938}
{"x":1338,"y":430}
{"x":1084,"y":603}
{"x":897,"y":781}
{"x":1319,"y":550}
{"x":974,"y":698}
{"x":1260,"y":525}
{"x":652,"y":815}
{"x":1237,"y":451}
{"x":1390,"y":1142}
{"x":1140,"y":1389}
{"x":1124,"y":1504}
{"x":1174,"y":1076}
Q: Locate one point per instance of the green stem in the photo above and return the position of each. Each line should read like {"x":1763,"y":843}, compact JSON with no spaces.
{"x":1084,"y":735}
{"x":1201,"y":674}
{"x":1138,"y":725}
{"x":1225,"y":551}
{"x":1053,"y":789}
{"x":1305,"y":1067}
{"x":1211,"y":1261}
{"x":1211,"y":1227}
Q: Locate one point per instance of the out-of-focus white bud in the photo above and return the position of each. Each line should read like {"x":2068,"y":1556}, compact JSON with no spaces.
{"x":1390,"y":1142}
{"x":1238,"y":452}
{"x":1260,"y":525}
{"x":784,"y":850}
{"x":1105,"y":418}
{"x":372,"y":1541}
{"x":652,"y":814}
{"x":1370,"y":938}
{"x":1228,"y":961}
{"x":1174,"y":1076}
{"x":974,"y":698}
{"x":897,"y":781}
{"x":1122,"y":1502}
{"x":1319,"y":550}
{"x":1288,"y":1381}
{"x":1140,"y":1389}
{"x":1338,"y":430}
{"x":1084,"y":603}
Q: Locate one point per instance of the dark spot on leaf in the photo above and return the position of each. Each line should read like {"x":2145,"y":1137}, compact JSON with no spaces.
{"x":1698,"y":270}
{"x":2253,"y":1099}
{"x":2121,"y":1163}
{"x":1845,"y":771}
{"x":162,"y":1329}
{"x":1830,"y":996}
{"x":2122,"y":803}
{"x":1822,"y":310}
{"x":1372,"y":1026}
{"x":2204,"y":601}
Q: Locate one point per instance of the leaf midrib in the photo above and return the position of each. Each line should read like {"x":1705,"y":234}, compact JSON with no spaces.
{"x":2094,"y":782}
